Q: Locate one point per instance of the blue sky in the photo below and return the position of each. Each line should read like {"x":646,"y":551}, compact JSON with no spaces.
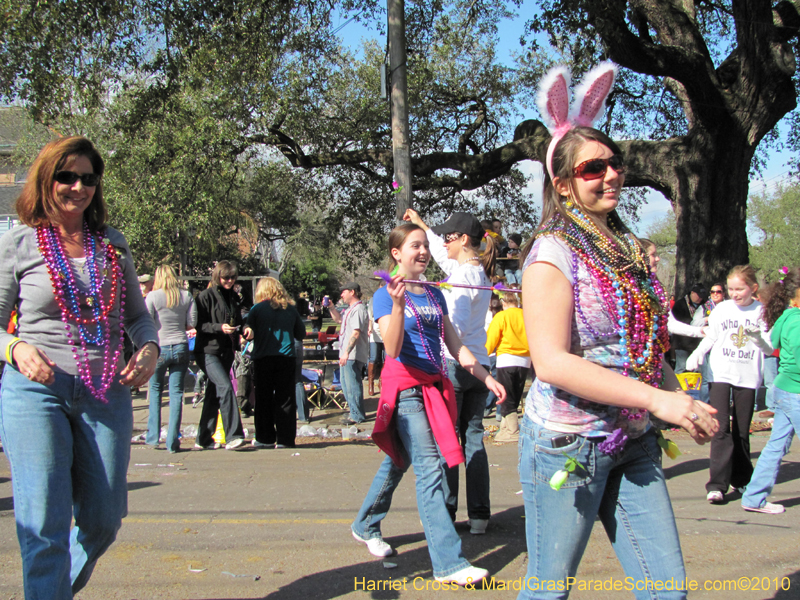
{"x":657,"y":205}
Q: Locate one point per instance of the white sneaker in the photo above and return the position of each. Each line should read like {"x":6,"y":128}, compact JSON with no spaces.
{"x":715,"y":497}
{"x":234,"y":444}
{"x":257,"y":444}
{"x":466,"y":576}
{"x":478,"y":526}
{"x":768,"y":508}
{"x":376,"y":545}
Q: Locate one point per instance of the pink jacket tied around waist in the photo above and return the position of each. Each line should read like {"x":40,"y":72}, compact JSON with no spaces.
{"x":439,"y":398}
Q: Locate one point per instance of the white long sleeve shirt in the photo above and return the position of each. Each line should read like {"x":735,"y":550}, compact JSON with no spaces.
{"x":467,"y":307}
{"x":735,"y":358}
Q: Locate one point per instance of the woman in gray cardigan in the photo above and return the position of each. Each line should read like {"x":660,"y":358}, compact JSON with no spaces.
{"x":173,"y":311}
{"x":65,"y":407}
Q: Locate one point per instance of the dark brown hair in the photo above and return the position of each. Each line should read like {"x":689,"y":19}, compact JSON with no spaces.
{"x":564,"y":157}
{"x":224,"y":268}
{"x":37,"y":204}
{"x":779,"y":295}
{"x":397,"y":237}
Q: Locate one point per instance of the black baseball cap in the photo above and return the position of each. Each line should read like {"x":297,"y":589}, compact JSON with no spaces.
{"x":460,"y":222}
{"x":700,"y":290}
{"x":351,"y":285}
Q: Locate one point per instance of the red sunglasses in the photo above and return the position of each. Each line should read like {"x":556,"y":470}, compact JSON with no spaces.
{"x":596,"y":168}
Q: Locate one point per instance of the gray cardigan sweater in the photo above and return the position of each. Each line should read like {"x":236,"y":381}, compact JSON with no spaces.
{"x":24,"y":280}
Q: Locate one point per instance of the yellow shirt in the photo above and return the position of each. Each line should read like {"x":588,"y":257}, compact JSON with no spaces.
{"x":506,"y":333}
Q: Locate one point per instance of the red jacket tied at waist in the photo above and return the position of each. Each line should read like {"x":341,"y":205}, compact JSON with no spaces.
{"x":439,"y":398}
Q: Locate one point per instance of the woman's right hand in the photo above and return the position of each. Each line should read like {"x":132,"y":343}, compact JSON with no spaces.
{"x":397,"y":289}
{"x":33,"y":363}
{"x":413,"y":216}
{"x":248,"y":334}
{"x":681,"y":409}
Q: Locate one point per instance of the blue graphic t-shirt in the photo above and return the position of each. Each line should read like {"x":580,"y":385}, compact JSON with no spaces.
{"x":413,"y":353}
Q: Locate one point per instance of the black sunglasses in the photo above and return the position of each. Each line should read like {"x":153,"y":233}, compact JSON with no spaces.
{"x":70,"y":177}
{"x":596,"y":168}
{"x":716,"y":291}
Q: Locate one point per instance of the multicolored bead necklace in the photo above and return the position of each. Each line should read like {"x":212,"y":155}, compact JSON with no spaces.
{"x":632,"y":295}
{"x":95,"y":330}
{"x":438,"y":321}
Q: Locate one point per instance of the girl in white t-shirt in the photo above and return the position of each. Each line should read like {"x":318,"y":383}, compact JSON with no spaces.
{"x":737,"y":356}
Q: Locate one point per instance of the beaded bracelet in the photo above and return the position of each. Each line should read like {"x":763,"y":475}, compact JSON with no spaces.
{"x":10,"y":350}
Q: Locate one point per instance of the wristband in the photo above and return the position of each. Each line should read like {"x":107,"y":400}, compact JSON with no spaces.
{"x":10,"y":350}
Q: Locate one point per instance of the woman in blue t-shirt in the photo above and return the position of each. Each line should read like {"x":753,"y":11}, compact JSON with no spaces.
{"x":415,"y":422}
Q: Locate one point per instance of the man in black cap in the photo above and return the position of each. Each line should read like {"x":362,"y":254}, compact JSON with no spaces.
{"x":689,"y":310}
{"x":353,"y":350}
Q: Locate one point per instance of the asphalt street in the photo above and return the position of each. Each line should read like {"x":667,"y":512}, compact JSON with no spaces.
{"x":275,"y":524}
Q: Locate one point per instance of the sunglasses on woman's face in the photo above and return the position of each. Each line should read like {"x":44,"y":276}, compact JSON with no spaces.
{"x":716,"y":291}
{"x":70,"y":177}
{"x":596,"y":168}
{"x":227,"y":278}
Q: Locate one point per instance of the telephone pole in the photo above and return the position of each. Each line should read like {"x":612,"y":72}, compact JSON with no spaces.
{"x":399,"y":96}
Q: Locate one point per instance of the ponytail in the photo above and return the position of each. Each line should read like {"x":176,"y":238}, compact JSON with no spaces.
{"x":489,"y":257}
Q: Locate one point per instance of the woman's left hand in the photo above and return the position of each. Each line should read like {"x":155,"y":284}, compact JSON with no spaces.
{"x":141,"y":366}
{"x":496,"y":387}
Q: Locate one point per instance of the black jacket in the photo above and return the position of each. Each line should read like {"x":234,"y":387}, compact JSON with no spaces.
{"x":215,"y":307}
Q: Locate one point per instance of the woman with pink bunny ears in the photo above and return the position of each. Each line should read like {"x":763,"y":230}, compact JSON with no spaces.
{"x":596,"y":320}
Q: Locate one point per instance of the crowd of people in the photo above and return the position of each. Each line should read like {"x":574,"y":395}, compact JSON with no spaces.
{"x":582,"y":313}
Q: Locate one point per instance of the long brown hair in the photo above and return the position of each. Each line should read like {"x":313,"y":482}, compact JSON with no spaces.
{"x":564,"y":156}
{"x":488,"y":259}
{"x":397,"y":237}
{"x":224,"y":268}
{"x":37,"y":205}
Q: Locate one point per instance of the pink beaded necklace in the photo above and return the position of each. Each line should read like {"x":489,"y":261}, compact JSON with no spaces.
{"x":632,"y":295}
{"x":95,"y":330}
{"x":437,"y":319}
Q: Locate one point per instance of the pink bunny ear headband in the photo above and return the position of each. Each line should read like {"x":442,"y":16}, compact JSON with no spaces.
{"x":553,"y":100}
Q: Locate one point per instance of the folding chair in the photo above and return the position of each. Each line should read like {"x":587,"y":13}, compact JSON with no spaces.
{"x":315,"y":393}
{"x":335,"y":393}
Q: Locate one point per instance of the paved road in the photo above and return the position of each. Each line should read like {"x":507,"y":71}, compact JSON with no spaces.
{"x":274,"y":524}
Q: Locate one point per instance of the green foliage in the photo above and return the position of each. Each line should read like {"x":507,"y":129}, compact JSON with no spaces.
{"x":776,"y":221}
{"x":313,"y":274}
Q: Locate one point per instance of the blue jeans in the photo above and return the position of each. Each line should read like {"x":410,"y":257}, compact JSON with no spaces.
{"x":421,"y":451}
{"x":627,"y":492}
{"x":300,"y":398}
{"x":491,"y":398}
{"x":353,"y":389}
{"x":471,"y":398}
{"x":786,"y":407}
{"x":175,"y":359}
{"x":69,"y":457}
{"x":513,"y":276}
{"x":377,"y":354}
{"x":770,"y":373}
